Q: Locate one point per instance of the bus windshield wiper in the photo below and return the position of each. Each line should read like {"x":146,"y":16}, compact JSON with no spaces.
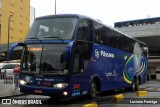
{"x":53,"y":37}
{"x":35,"y":38}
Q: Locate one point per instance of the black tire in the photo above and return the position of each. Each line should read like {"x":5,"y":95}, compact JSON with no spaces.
{"x":148,"y":78}
{"x":135,"y":84}
{"x":93,"y":89}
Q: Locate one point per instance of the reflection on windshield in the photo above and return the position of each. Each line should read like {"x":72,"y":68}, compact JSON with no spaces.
{"x":47,"y":60}
{"x":60,"y":28}
{"x":31,"y":59}
{"x":53,"y":59}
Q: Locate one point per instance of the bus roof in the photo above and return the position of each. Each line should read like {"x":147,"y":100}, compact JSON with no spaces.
{"x":84,"y":17}
{"x":59,"y":15}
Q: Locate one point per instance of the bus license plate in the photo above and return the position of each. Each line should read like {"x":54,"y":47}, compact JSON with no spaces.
{"x":38,"y":91}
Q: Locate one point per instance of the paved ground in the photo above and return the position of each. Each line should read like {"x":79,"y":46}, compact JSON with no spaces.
{"x":151,"y":86}
{"x":106,"y":100}
{"x":7,"y":86}
{"x":8,"y":90}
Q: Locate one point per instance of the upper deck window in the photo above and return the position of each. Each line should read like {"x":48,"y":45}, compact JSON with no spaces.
{"x":85,"y":32}
{"x":53,"y":28}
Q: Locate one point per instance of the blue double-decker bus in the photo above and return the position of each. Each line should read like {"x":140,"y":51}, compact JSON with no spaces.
{"x":72,"y":55}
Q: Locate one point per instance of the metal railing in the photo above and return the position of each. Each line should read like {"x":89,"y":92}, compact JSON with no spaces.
{"x":7,"y":85}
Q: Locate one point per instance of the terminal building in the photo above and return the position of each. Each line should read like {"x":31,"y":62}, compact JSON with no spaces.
{"x":14,"y":22}
{"x":148,"y":31}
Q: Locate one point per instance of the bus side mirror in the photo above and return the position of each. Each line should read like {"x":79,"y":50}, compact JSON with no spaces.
{"x":13,"y":46}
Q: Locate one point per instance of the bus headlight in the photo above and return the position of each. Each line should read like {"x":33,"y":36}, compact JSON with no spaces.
{"x":60,"y":85}
{"x":22,"y":82}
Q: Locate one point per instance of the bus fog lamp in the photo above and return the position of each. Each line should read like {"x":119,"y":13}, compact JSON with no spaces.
{"x":22,"y":82}
{"x":60,"y":85}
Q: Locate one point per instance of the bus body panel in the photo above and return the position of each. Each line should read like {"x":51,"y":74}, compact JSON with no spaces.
{"x":108,"y":68}
{"x":43,"y":85}
{"x":117,"y":68}
{"x":113,"y":67}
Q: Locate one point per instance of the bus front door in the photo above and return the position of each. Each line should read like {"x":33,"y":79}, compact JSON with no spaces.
{"x":81,"y":52}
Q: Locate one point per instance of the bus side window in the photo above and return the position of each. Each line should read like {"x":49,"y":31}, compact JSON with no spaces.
{"x":85,"y":31}
{"x":82,"y":34}
{"x":78,"y":59}
{"x":83,"y":45}
{"x":99,"y":33}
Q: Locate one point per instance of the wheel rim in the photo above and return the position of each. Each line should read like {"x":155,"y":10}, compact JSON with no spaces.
{"x":137,"y":84}
{"x":133,"y":86}
{"x":93,"y":89}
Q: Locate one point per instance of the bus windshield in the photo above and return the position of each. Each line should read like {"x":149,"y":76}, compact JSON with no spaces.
{"x":53,"y":28}
{"x":44,"y":59}
{"x":31,"y":59}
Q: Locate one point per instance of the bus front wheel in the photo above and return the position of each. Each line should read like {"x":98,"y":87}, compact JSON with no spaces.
{"x":93,"y":89}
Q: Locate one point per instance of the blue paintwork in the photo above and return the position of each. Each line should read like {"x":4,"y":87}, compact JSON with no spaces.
{"x":46,"y":41}
{"x":37,"y":83}
{"x":108,"y":69}
{"x":115,"y":69}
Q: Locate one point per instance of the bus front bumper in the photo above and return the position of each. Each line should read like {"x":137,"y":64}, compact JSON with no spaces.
{"x":48,"y":91}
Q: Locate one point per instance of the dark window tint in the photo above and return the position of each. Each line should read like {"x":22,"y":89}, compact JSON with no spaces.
{"x":81,"y":53}
{"x":100,"y":33}
{"x":53,"y":28}
{"x":85,"y":30}
{"x":53,"y":58}
{"x":113,"y":38}
{"x":31,"y":58}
